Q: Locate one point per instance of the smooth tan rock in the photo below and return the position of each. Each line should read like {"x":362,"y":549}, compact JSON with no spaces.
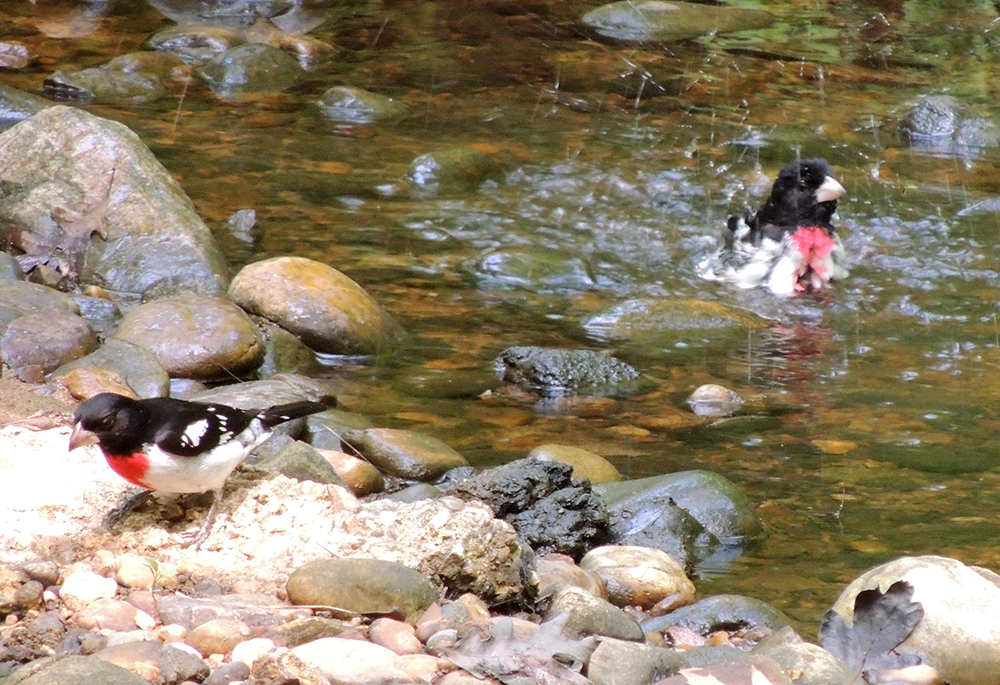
{"x":556,"y":571}
{"x":219,"y":636}
{"x":326,"y":309}
{"x":589,"y":615}
{"x":398,"y":636}
{"x":586,"y":464}
{"x":638,"y":576}
{"x":350,"y":662}
{"x":82,"y":588}
{"x":404,"y":453}
{"x":194,"y":336}
{"x":360,"y":476}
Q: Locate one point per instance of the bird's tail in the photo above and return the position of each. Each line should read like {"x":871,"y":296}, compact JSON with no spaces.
{"x":272,"y":416}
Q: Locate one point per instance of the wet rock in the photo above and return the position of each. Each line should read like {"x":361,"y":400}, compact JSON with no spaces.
{"x":532,"y":268}
{"x":325,"y":430}
{"x":549,"y":510}
{"x":327,"y":310}
{"x":941,"y":124}
{"x":590,"y":615}
{"x":720,"y":612}
{"x":453,"y":171}
{"x":137,"y":366}
{"x":555,"y":571}
{"x":352,"y":662}
{"x":158,"y":63}
{"x":17,"y":105}
{"x":87,"y":382}
{"x":195,"y":43}
{"x":447,"y":383}
{"x":101,"y":313}
{"x":255,"y":395}
{"x":75,"y":669}
{"x":103,"y":85}
{"x":369,"y":586}
{"x":295,"y":459}
{"x":94,"y":204}
{"x":815,"y":665}
{"x":10,"y":268}
{"x":357,"y":474}
{"x":593,"y":467}
{"x":31,"y":298}
{"x":655,"y":316}
{"x":251,"y":68}
{"x":407,"y":454}
{"x":283,"y":351}
{"x":661,"y":21}
{"x":219,"y":636}
{"x":958,"y":634}
{"x":155,"y":662}
{"x":82,"y":588}
{"x":194,"y":336}
{"x":691,"y":515}
{"x":394,"y":635}
{"x":556,"y":372}
{"x":356,"y":106}
{"x":714,"y":400}
{"x":35,"y":344}
{"x":639,"y":576}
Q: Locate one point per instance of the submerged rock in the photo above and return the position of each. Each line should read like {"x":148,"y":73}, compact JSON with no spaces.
{"x":655,"y":316}
{"x":195,"y":43}
{"x":86,"y":197}
{"x":457,"y":170}
{"x":714,"y":400}
{"x":356,"y":106}
{"x":251,"y":68}
{"x":660,"y":21}
{"x":556,"y":372}
{"x":532,"y":268}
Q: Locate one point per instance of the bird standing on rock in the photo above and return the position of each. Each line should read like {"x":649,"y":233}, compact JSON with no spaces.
{"x":789,"y":245}
{"x":174,"y":445}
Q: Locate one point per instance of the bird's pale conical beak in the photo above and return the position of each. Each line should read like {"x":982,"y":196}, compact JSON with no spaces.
{"x":830,"y":189}
{"x":81,"y":437}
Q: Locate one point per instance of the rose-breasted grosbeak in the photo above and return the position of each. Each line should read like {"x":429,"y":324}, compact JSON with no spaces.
{"x":789,"y":245}
{"x":174,"y":445}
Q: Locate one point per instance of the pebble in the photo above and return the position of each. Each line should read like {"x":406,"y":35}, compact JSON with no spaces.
{"x":249,"y":651}
{"x":350,"y":662}
{"x":133,"y":571}
{"x":400,"y":637}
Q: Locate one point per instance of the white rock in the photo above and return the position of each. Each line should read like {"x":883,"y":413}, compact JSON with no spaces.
{"x":83,"y":588}
{"x":249,"y":651}
{"x":350,"y":662}
{"x":959,"y":634}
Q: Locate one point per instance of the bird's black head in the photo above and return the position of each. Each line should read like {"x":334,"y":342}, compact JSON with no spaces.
{"x":804,"y":194}
{"x":110,"y":420}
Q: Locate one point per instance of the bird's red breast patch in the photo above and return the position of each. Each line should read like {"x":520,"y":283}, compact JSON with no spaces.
{"x":131,"y":467}
{"x":815,"y":246}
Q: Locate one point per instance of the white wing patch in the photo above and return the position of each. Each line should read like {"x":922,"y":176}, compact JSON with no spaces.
{"x":194,"y":433}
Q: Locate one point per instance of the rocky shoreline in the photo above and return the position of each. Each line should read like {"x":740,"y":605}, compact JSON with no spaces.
{"x":347,"y":552}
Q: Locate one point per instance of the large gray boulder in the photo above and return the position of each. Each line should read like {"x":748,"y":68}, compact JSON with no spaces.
{"x":85,"y":196}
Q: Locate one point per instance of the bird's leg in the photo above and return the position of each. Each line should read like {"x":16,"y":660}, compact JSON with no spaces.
{"x":131,"y":503}
{"x":206,"y":526}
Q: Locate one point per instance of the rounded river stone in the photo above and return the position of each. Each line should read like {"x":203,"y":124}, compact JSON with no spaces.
{"x":368,"y":586}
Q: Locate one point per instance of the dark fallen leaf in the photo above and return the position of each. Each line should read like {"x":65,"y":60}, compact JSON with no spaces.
{"x":541,"y":660}
{"x":14,"y":56}
{"x":881,"y":623}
